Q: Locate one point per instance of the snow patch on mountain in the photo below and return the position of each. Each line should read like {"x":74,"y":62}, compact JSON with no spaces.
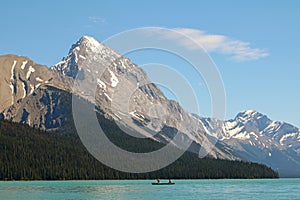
{"x":37,"y":86}
{"x":114,"y":80}
{"x":13,"y":70}
{"x":24,"y":64}
{"x":241,"y":135}
{"x":81,"y":56}
{"x":31,"y":89}
{"x":101,"y":84}
{"x":288,"y":138}
{"x":39,"y":79}
{"x":108,"y":97}
{"x":24,"y":90}
{"x":29,"y":72}
{"x":12,"y":93}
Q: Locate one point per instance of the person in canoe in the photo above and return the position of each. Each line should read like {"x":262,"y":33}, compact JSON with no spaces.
{"x":164,"y":183}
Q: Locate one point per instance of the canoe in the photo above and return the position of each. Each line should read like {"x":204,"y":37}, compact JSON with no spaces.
{"x":162,"y":183}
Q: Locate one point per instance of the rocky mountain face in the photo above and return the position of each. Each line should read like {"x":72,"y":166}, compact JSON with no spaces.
{"x":44,"y":109}
{"x":27,"y":94}
{"x":37,"y":99}
{"x":126,"y":94}
{"x":20,"y":77}
{"x":257,"y":138}
{"x":40,"y":96}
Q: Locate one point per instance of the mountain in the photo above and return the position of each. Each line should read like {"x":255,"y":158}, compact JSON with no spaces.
{"x":255,"y":137}
{"x":29,"y":92}
{"x":39,"y":96}
{"x":125,"y":93}
{"x":89,"y":63}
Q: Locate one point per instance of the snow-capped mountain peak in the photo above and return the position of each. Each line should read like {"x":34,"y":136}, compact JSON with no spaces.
{"x":85,"y":48}
{"x":249,"y":115}
{"x":91,"y":43}
{"x":90,"y":40}
{"x":30,"y":99}
{"x":257,"y":138}
{"x":250,"y":112}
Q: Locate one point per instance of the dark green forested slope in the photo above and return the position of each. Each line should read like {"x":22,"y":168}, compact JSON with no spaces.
{"x":27,"y":153}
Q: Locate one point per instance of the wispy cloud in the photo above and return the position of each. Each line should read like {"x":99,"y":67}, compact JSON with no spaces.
{"x":97,"y":20}
{"x":238,"y":50}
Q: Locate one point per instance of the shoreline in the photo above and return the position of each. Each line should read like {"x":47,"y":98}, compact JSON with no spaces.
{"x":179,"y":179}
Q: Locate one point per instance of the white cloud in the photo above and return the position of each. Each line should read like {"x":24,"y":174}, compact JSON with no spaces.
{"x":238,"y":50}
{"x":97,"y":20}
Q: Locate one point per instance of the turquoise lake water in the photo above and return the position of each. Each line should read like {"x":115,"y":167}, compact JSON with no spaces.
{"x":142,"y":189}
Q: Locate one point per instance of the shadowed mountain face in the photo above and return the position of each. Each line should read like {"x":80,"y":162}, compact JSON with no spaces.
{"x":32,"y":94}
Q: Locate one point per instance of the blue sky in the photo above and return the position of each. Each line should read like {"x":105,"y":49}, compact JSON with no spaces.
{"x":268,"y":82}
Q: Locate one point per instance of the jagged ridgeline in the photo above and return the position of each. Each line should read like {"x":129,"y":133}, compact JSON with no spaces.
{"x":39,"y":96}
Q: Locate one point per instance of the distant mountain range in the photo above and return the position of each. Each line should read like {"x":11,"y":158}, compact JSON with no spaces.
{"x":32,"y":94}
{"x":254,"y":137}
